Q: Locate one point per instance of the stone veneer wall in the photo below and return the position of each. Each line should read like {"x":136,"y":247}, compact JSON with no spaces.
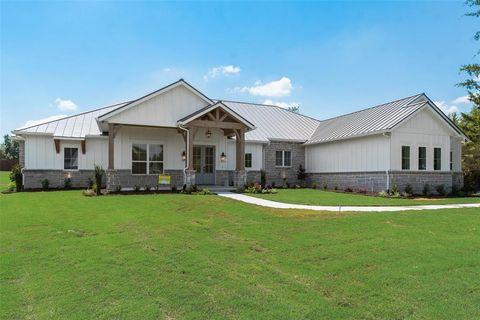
{"x":21,"y":154}
{"x":377,"y":181}
{"x":253,"y":176}
{"x":224,"y":177}
{"x":32,"y":179}
{"x":274,"y":173}
{"x":126,"y":179}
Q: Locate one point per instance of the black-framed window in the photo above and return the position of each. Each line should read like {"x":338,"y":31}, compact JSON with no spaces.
{"x":451,"y":160}
{"x":147,"y":158}
{"x":283,"y":158}
{"x":248,"y":160}
{"x":437,"y":158}
{"x":70,"y":158}
{"x":422,"y":158}
{"x":405,"y":157}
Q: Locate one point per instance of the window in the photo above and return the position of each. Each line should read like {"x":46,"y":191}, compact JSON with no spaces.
{"x":422,"y":158}
{"x":147,"y":158}
{"x":451,"y":160}
{"x":248,"y":160}
{"x":70,"y":158}
{"x":405,"y":158}
{"x":283,"y":158}
{"x":437,"y":158}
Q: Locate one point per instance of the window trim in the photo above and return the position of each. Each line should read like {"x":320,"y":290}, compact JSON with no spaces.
{"x":406,"y":158}
{"x":78,"y":159}
{"x":425,"y":159}
{"x":283,"y":159}
{"x":147,"y":162}
{"x":440,"y":159}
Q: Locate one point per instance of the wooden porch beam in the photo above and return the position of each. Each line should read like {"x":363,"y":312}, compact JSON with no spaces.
{"x":216,"y":124}
{"x":57,"y":145}
{"x":111,"y":138}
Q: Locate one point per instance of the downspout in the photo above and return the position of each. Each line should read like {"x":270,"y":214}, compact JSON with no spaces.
{"x":388,"y":135}
{"x":187,"y":160}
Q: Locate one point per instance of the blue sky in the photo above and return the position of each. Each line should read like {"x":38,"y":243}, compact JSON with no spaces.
{"x":60,"y":58}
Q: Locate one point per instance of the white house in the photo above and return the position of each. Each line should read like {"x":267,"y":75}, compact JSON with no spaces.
{"x":180,"y":132}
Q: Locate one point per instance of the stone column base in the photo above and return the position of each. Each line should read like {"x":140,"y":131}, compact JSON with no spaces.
{"x":112,"y":180}
{"x":239,"y":178}
{"x":190,"y":177}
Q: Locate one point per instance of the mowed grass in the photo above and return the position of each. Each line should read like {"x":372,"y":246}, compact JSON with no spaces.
{"x":330,"y":198}
{"x":65,"y":256}
{"x":4,"y":179}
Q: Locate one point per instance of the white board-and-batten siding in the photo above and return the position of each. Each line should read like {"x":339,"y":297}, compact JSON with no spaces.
{"x":353,"y":155}
{"x":40,"y":153}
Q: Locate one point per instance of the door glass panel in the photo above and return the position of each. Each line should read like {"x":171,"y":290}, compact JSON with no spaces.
{"x":197,"y":159}
{"x":209,"y":160}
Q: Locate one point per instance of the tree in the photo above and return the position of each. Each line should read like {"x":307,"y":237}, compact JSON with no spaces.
{"x":472,"y":70}
{"x":295,"y":109}
{"x":9,"y":149}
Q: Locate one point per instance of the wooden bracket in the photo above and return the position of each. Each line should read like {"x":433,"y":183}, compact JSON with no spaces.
{"x":57,"y":145}
{"x":84,"y":146}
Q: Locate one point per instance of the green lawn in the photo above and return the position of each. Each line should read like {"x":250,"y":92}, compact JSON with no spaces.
{"x":329,"y":198}
{"x":65,"y":256}
{"x":4,"y":179}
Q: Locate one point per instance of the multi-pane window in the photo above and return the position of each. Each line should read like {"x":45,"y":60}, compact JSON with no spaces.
{"x":283,"y":158}
{"x":248,"y":160}
{"x":405,"y":158}
{"x":70,"y":158}
{"x":437,"y":158}
{"x":422,"y":158}
{"x":147,"y":158}
{"x":451,"y":160}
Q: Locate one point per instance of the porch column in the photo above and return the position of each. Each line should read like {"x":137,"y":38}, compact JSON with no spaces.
{"x":240,"y":149}
{"x":111,"y":137}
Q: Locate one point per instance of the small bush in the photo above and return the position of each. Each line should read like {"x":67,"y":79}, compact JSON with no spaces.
{"x":426,"y":189}
{"x":406,"y":195}
{"x":408,"y":189}
{"x":94,"y":187}
{"x":250,"y":190}
{"x":205,"y":191}
{"x":17,"y":177}
{"x":348,"y":190}
{"x":440,"y":189}
{"x":11,"y":186}
{"x":45,"y":184}
{"x":263,"y":178}
{"x":394,"y":189}
{"x":136,"y":188}
{"x":362,"y":190}
{"x":325,"y":186}
{"x":174,"y":188}
{"x":98,"y":178}
{"x":147,"y":188}
{"x":67,"y":183}
{"x":90,"y":184}
{"x":383,"y":194}
{"x":335,"y":188}
{"x":395,"y":194}
{"x":118,"y":188}
{"x":89,"y":193}
{"x":194,"y":188}
{"x":454,"y":191}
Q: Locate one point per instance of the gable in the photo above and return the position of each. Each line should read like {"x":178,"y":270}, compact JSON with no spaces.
{"x":161,"y":109}
{"x":427,"y":121}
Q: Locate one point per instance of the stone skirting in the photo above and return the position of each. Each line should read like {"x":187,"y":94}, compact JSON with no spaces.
{"x":377,"y":181}
{"x":125,"y":179}
{"x":253,"y":176}
{"x":239,"y":179}
{"x":275,"y":174}
{"x":370,"y":181}
{"x":32,"y":179}
{"x":224,"y":178}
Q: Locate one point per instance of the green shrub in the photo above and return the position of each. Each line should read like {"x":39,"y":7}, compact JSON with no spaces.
{"x":98,"y":178}
{"x":90,"y":183}
{"x":136,"y":188}
{"x":11,"y":186}
{"x":67,"y":183}
{"x":440,"y":189}
{"x":395,"y":194}
{"x":118,"y":188}
{"x":426,"y":189}
{"x":89,"y":193}
{"x":194,"y":188}
{"x":17,"y":177}
{"x":174,"y":188}
{"x":263,"y":178}
{"x":205,"y":191}
{"x":250,"y":190}
{"x":409,"y":189}
{"x":394,"y":189}
{"x":383,"y":194}
{"x":45,"y":184}
{"x":147,"y":188}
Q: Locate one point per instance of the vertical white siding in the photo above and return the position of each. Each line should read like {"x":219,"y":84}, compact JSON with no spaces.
{"x":424,"y":129}
{"x":353,"y":155}
{"x":163,"y":110}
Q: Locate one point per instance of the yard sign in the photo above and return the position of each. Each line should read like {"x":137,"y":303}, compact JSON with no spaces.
{"x":163,"y":179}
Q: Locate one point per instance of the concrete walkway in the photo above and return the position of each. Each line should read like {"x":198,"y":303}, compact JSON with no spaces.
{"x":280,"y":205}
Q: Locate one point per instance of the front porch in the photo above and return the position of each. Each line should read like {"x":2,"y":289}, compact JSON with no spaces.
{"x":197,"y":152}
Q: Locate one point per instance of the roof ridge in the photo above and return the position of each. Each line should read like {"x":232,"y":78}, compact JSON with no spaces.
{"x":270,"y":105}
{"x":71,"y":116}
{"x":376,"y":106}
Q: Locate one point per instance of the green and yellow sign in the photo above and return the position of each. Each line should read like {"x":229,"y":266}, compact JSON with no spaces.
{"x":163,"y":179}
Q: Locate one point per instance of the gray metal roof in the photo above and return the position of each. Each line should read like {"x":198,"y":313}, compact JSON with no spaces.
{"x":373,"y":120}
{"x":76,"y":126}
{"x":274,"y":123}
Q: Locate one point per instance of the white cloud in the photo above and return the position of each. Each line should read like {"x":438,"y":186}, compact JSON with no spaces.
{"x":446,"y":108}
{"x":30,"y":123}
{"x":65,"y":104}
{"x":461,"y":100}
{"x":221,"y":70}
{"x":166,"y":69}
{"x":277,"y":88}
{"x":282,"y":104}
